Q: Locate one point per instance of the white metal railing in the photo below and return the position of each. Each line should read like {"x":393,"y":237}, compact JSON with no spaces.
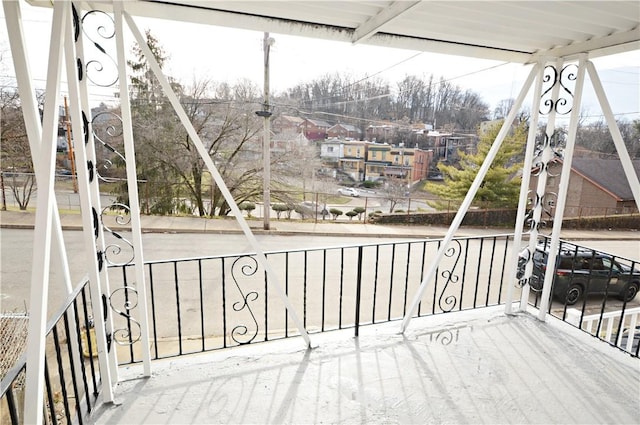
{"x":613,"y":324}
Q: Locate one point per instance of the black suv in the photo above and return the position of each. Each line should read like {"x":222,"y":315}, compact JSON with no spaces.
{"x":582,"y":271}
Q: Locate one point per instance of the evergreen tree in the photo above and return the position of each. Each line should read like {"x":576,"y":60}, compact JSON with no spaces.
{"x":500,"y":187}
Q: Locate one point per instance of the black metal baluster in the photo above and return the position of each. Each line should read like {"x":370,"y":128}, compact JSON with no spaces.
{"x":266,"y":306}
{"x":406,"y":280}
{"x":435,"y":284}
{"x":504,"y":266}
{"x":61,"y":376}
{"x":11,"y":406}
{"x":324,"y":286}
{"x":464,"y":272}
{"x":87,"y":331}
{"x":341,"y":285}
{"x":200,"y":288}
{"x":475,"y":293}
{"x":304,"y":297}
{"x":179,"y":316}
{"x":493,"y":251}
{"x":72,"y":369}
{"x":224,"y":306}
{"x":153,"y":311}
{"x":78,"y":337}
{"x":423,"y":259}
{"x":49,"y":390}
{"x":393,"y":261}
{"x":358,"y":290}
{"x":375,"y":285}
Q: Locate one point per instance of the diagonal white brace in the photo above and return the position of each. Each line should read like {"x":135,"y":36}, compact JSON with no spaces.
{"x":193,"y":134}
{"x":466,"y":203}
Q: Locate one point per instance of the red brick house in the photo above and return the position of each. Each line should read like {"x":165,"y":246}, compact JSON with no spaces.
{"x":344,"y":131}
{"x":286,"y":123}
{"x":596,"y":187}
{"x":314,"y":129}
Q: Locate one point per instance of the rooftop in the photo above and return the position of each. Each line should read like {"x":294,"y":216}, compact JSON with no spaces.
{"x":477,"y":366}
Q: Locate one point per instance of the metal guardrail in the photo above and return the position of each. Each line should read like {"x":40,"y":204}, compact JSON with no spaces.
{"x":602,"y":315}
{"x":607,"y":326}
{"x":208,"y":303}
{"x":72,"y":382}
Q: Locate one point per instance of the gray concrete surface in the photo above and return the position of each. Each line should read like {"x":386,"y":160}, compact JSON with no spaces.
{"x":473,"y":367}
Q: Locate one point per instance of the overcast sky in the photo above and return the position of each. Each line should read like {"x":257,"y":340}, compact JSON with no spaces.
{"x":223,"y":54}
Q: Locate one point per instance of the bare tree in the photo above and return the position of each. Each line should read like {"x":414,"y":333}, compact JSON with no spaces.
{"x":394,"y":192}
{"x":15,"y":154}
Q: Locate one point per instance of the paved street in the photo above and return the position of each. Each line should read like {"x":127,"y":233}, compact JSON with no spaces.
{"x":167,"y":237}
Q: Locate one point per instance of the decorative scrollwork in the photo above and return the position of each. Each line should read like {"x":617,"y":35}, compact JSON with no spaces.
{"x":130,"y":334}
{"x":114,"y":250}
{"x":98,"y":27}
{"x":449,"y":302}
{"x":564,"y":103}
{"x":107,"y":126}
{"x":246,"y":266}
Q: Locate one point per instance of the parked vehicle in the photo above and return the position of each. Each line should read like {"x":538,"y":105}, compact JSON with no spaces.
{"x":582,"y":271}
{"x":349,"y":191}
{"x":309,"y":209}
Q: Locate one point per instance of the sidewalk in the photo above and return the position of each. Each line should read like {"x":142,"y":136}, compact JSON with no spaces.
{"x":163,"y":224}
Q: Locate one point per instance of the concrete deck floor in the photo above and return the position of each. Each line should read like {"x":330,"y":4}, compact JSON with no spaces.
{"x":476,"y":367}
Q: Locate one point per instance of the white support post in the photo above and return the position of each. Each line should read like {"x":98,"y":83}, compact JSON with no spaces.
{"x":132,"y":184}
{"x":193,"y":134}
{"x":31,"y":116}
{"x":466,"y":203}
{"x":627,"y":165}
{"x":100,"y":284}
{"x":87,"y":216}
{"x":545,"y":157}
{"x":563,"y":189}
{"x":524,"y":191}
{"x":36,"y":339}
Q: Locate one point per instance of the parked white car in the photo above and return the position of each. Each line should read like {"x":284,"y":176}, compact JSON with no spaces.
{"x":348,"y":191}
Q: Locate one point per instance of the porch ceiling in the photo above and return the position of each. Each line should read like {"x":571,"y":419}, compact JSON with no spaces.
{"x":515,"y":31}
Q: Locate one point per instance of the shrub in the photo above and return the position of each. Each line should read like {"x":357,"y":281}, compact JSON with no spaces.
{"x":280,"y":208}
{"x":335,"y":213}
{"x":359,"y":211}
{"x":248,"y":207}
{"x":351,"y":214}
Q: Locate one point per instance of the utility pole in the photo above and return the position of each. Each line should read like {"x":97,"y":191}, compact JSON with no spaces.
{"x":266,"y":143}
{"x":72,"y":157}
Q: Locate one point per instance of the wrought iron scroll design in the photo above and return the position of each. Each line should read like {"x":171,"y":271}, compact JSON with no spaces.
{"x":245,"y":266}
{"x":449,"y":302}
{"x":113,"y":250}
{"x":130,"y":334}
{"x":564,"y":103}
{"x":99,"y":28}
{"x":110,"y":128}
{"x":553,"y":145}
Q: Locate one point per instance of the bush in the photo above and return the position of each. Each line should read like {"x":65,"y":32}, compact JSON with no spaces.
{"x":335,"y":213}
{"x":359,"y":211}
{"x":351,"y":214}
{"x":248,"y":207}
{"x":280,"y":208}
{"x":369,"y":184}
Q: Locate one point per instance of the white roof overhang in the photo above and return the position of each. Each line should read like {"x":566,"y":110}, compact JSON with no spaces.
{"x":513,"y":31}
